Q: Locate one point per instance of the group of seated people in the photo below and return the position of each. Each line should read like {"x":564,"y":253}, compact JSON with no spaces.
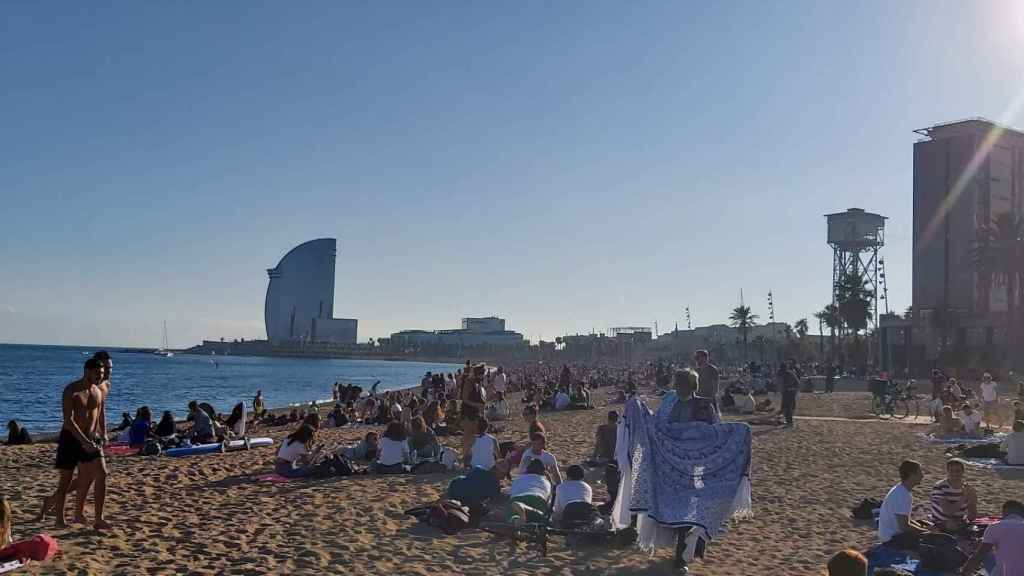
{"x":966,"y":423}
{"x":953,"y":506}
{"x":207,"y":426}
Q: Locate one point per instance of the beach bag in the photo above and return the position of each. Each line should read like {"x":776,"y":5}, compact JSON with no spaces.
{"x":151,"y":448}
{"x":449,"y":458}
{"x":449,"y":516}
{"x":40,"y":547}
{"x":940,"y":553}
{"x":866,"y":509}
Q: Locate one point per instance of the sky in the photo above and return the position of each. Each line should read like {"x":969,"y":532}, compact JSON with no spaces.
{"x":569,"y":166}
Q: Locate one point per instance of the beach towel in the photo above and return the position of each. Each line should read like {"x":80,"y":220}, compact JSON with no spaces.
{"x":11,"y":566}
{"x":40,"y":547}
{"x":930,"y":437}
{"x":680,"y":474}
{"x":120,"y":450}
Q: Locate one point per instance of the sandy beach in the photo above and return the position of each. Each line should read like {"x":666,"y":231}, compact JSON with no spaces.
{"x":209,"y":515}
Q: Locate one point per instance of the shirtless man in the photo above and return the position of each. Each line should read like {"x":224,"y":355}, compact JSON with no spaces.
{"x":78,"y":445}
{"x":100,"y":479}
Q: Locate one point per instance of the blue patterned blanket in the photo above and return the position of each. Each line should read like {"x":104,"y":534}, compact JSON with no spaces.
{"x":687,"y":474}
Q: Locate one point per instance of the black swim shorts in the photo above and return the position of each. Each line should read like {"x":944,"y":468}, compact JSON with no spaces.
{"x":71,"y":453}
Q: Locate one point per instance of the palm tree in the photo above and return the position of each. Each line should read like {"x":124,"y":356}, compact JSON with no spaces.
{"x":853,"y":301}
{"x":997,"y":254}
{"x":742,"y":319}
{"x":829,"y":316}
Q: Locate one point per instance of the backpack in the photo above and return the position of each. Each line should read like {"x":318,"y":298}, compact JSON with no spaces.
{"x":151,"y":448}
{"x":866,"y":509}
{"x":940,"y":553}
{"x":449,"y":516}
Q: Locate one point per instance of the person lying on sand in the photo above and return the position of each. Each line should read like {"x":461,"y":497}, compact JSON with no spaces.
{"x":571,"y":496}
{"x":478,"y":487}
{"x":530,"y":495}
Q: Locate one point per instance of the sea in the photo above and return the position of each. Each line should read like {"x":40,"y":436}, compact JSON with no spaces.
{"x":33,"y":377}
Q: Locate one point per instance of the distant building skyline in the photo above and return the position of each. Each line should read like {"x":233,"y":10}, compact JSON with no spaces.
{"x":300,"y":297}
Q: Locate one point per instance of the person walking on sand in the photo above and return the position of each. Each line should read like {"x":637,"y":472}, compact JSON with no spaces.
{"x":78,"y":445}
{"x":707,"y":376}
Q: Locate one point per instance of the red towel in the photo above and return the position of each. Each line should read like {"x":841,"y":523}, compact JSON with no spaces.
{"x":40,"y":547}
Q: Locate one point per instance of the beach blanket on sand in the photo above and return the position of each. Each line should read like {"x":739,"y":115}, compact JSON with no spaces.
{"x":10,"y":566}
{"x":993,"y":439}
{"x":680,"y":474}
{"x":884,"y":557}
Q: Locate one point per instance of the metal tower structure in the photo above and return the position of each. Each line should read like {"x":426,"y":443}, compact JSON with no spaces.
{"x":856,"y":237}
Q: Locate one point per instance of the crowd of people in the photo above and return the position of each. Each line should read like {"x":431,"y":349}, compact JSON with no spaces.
{"x":474,"y":403}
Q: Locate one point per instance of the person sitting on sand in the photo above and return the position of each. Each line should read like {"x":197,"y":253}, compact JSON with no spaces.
{"x":498,"y":410}
{"x":529,"y":495}
{"x":367,"y":449}
{"x":126,"y":423}
{"x":574,"y":490}
{"x":580,"y":398}
{"x":538,"y":443}
{"x":1003,"y":541}
{"x":235,"y":422}
{"x":971,"y":420}
{"x":561,"y":400}
{"x":202,"y":425}
{"x":166,"y":428}
{"x":312,"y":419}
{"x":954,"y":501}
{"x":337,"y":418}
{"x":1014,"y":445}
{"x":394,"y":456}
{"x":896,"y":529}
{"x":295,"y":457}
{"x":949,"y":425}
{"x":17,"y":434}
{"x":484,"y":451}
{"x":848,"y":563}
{"x":433,"y":416}
{"x":422,"y":441}
{"x":605,"y":438}
{"x":141,"y":428}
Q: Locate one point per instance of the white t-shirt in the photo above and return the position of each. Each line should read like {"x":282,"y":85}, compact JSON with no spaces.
{"x":572,"y":491}
{"x":900,"y":501}
{"x":546,"y":457}
{"x":971,"y":422}
{"x":291,"y":450}
{"x":483,"y":452}
{"x":989,"y":390}
{"x":746,"y":404}
{"x":1015,"y":449}
{"x":530,"y":484}
{"x":393,"y":452}
{"x":561,"y":400}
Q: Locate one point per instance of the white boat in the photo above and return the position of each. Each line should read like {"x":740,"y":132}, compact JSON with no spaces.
{"x":165,"y":349}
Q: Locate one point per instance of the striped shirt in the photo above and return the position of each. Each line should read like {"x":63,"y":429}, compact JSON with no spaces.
{"x":953,"y":498}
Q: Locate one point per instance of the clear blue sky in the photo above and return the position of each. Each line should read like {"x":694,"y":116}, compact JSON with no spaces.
{"x":566,"y":165}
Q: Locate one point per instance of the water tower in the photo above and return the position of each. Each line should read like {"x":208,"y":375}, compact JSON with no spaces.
{"x":856,"y":237}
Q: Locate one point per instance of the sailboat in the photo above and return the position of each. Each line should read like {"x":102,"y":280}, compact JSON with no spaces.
{"x":165,"y":349}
